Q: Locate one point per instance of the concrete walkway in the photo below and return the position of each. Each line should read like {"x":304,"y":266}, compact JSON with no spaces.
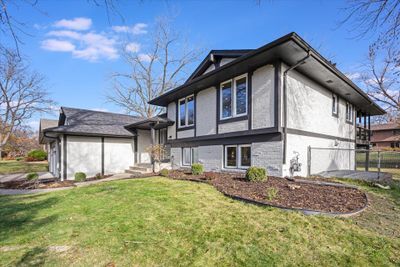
{"x":119,"y":176}
{"x":358,"y":175}
{"x":21,"y":176}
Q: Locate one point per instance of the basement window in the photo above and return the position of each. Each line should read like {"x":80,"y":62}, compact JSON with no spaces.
{"x":186,"y":112}
{"x":189,"y":156}
{"x":237,"y":156}
{"x":234,"y":97}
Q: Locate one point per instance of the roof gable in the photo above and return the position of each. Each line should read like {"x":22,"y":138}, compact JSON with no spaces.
{"x":216,"y":59}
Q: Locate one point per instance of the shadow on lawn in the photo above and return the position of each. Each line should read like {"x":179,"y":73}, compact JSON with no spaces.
{"x":34,"y":257}
{"x":18,"y":216}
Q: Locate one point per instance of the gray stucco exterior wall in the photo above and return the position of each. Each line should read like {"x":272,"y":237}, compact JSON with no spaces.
{"x":269,"y":156}
{"x":206,"y":112}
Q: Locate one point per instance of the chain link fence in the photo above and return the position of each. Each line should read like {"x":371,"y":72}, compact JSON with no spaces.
{"x":338,"y":159}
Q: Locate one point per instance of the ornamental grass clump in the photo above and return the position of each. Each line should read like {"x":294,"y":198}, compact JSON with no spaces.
{"x":164,"y":172}
{"x":256,"y":174}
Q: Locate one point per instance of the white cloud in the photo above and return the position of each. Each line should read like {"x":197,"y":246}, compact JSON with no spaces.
{"x":132,"y":47}
{"x":57,"y":45}
{"x":354,"y":75}
{"x":144,"y":57}
{"x":138,"y":28}
{"x":78,"y":24}
{"x":89,"y":46}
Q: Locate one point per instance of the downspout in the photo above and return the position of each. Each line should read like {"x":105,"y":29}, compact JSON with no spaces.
{"x":301,"y":61}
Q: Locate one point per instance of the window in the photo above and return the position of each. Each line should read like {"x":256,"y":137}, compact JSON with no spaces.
{"x":234,"y":97}
{"x":186,"y":111}
{"x":238,"y":156}
{"x":335,"y":104}
{"x":349,"y":112}
{"x":189,"y":156}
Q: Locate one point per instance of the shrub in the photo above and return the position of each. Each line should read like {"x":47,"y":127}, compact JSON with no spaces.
{"x":254,"y":174}
{"x":80,"y":176}
{"x":197,"y":169}
{"x":32,"y":176}
{"x":272,"y":192}
{"x":36,"y":155}
{"x":19,"y":158}
{"x":98,"y":176}
{"x":164,"y":172}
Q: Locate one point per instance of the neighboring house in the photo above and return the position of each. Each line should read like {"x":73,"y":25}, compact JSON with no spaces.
{"x":239,"y":108}
{"x":386,"y":135}
{"x":45,"y":124}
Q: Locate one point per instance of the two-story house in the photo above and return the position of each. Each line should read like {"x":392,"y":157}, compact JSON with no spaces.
{"x":258,"y":107}
{"x":385,"y":135}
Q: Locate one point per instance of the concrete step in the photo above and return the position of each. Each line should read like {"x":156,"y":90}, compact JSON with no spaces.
{"x":141,"y":169}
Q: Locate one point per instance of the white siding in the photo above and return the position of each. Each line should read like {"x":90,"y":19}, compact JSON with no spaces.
{"x":323,"y":160}
{"x":226,"y":61}
{"x":233,"y":126}
{"x":206,"y":112}
{"x":186,"y":133}
{"x":263,"y":112}
{"x":171,"y":114}
{"x":310,"y":108}
{"x":118,"y":154}
{"x":83,"y":155}
{"x":144,"y":142}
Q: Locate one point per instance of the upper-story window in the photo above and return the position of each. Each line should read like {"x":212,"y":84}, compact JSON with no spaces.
{"x":186,"y":111}
{"x":335,"y":104}
{"x":234,"y":97}
{"x":349,"y":112}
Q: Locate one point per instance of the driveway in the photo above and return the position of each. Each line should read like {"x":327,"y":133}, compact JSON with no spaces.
{"x":20,"y":176}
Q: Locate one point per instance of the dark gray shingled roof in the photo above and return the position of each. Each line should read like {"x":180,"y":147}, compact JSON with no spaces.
{"x":90,"y":122}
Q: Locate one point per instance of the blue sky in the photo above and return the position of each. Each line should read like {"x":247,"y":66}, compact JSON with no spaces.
{"x":78,"y":67}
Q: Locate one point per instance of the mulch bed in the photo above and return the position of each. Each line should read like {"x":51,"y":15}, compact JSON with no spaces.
{"x":23,"y":184}
{"x":289,"y":194}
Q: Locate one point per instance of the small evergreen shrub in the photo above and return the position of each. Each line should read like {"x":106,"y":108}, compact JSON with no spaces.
{"x":80,"y":176}
{"x":98,"y":176}
{"x":272,"y":192}
{"x":32,"y":176}
{"x":19,"y":158}
{"x":255,"y":174}
{"x":197,"y":169}
{"x":164,"y":172}
{"x":36,"y":155}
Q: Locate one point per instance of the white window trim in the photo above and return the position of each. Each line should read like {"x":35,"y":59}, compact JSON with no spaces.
{"x":349,"y":112}
{"x":186,"y":112}
{"x":238,"y":157}
{"x":336,"y":111}
{"x":192,"y":149}
{"x":233,"y":94}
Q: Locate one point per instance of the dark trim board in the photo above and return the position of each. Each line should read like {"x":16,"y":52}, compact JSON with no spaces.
{"x":190,"y":142}
{"x":102,"y":156}
{"x":318,"y":135}
{"x":65,"y":157}
{"x":220,"y":138}
{"x":234,"y":119}
{"x":249,"y":98}
{"x":186,"y":128}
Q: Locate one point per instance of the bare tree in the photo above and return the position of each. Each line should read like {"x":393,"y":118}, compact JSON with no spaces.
{"x":381,"y":79}
{"x":368,"y":16}
{"x":22,"y":94}
{"x":152,"y":72}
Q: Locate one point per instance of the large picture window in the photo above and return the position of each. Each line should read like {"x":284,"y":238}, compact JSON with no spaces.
{"x":238,"y":156}
{"x":234,"y":97}
{"x":186,"y":111}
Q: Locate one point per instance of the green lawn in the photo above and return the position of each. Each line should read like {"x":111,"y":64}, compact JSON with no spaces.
{"x":13,"y":166}
{"x":162,"y":222}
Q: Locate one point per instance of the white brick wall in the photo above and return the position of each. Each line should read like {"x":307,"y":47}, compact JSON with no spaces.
{"x":211,"y":157}
{"x":269,"y":156}
{"x":171,"y":114}
{"x":263,"y":97}
{"x":233,"y":126}
{"x":176,"y":153}
{"x":206,"y":111}
{"x":186,"y":133}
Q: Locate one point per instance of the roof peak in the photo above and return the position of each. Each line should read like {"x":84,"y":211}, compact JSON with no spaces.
{"x":99,"y":111}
